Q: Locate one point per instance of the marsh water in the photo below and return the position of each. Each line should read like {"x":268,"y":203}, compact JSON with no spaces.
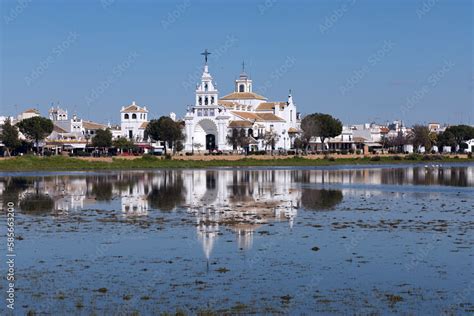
{"x":334,"y":240}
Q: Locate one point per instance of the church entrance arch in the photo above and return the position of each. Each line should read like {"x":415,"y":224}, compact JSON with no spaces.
{"x":205,"y":133}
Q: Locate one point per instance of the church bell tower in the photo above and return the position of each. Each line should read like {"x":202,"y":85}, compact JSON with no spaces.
{"x":244,"y":83}
{"x":206,"y":92}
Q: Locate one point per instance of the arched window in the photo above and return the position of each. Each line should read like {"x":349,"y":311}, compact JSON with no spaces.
{"x":200,"y":100}
{"x":212,"y":100}
{"x":206,"y":87}
{"x":206,"y":101}
{"x":126,"y":116}
{"x":241,"y":88}
{"x":250,"y":132}
{"x":134,"y":116}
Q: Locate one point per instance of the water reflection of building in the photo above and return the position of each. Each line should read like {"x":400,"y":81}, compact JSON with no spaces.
{"x":241,"y":200}
{"x":134,"y":201}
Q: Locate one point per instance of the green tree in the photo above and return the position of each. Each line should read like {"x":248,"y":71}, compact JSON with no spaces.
{"x":238,"y":138}
{"x":36,"y":129}
{"x":9,"y":137}
{"x":320,"y":125}
{"x":420,"y":136}
{"x":299,"y":144}
{"x":179,"y":146}
{"x":233,"y":139}
{"x":123,"y":144}
{"x":244,"y":139}
{"x":398,"y":141}
{"x":461,"y":133}
{"x":270,"y":139}
{"x":102,"y":138}
{"x":447,"y":139}
{"x":164,"y":129}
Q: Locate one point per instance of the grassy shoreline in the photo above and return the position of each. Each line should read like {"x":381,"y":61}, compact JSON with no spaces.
{"x":58,"y":163}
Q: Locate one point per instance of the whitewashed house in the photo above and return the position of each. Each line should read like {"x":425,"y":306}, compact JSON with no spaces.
{"x":133,"y":122}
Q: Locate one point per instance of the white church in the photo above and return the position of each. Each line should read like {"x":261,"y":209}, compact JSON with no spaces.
{"x":212,"y":118}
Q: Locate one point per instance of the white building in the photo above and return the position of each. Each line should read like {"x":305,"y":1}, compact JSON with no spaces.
{"x":133,"y":121}
{"x":28,"y":114}
{"x":66,"y":128}
{"x":470,"y":146}
{"x":212,"y":119}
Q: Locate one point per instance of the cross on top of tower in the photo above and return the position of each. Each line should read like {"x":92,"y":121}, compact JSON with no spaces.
{"x":205,"y":54}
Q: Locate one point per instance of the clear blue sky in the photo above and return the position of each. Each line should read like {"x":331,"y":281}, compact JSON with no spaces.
{"x":360,"y":60}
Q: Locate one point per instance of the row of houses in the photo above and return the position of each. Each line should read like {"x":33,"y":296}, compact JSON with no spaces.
{"x":72,"y":133}
{"x":212,"y":118}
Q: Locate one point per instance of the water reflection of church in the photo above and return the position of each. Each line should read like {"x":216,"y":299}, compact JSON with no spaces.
{"x":241,"y":200}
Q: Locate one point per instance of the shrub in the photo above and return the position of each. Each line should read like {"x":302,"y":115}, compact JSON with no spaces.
{"x":327,"y":157}
{"x":189,"y":154}
{"x":344,"y":152}
{"x":167,"y":157}
{"x":412,"y":157}
{"x":291,"y":152}
{"x":397,"y":158}
{"x":358,"y":151}
{"x":426,"y":157}
{"x":469,"y":155}
{"x":148,"y":157}
{"x":375,"y":158}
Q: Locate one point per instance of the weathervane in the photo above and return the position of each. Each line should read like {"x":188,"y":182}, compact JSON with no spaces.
{"x":205,"y":54}
{"x":243,"y":66}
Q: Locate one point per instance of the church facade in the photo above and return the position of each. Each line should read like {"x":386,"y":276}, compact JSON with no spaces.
{"x":268,"y":125}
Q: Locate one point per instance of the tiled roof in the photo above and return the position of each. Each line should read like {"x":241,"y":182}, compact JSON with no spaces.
{"x":144,"y":125}
{"x":134,"y":108}
{"x":59,"y":129}
{"x":32,"y":111}
{"x":269,"y":117}
{"x":258,"y":117}
{"x":247,"y":115}
{"x":236,"y":123}
{"x":269,"y":106}
{"x":228,"y":104}
{"x":243,"y":96}
{"x":93,"y":125}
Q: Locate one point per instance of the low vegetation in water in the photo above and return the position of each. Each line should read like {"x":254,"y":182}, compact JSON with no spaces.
{"x":60,"y":163}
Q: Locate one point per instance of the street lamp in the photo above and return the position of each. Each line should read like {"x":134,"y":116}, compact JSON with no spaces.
{"x":284,"y":139}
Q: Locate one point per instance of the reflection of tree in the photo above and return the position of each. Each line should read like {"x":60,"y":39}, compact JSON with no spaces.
{"x":102,"y":191}
{"x":125,"y":182}
{"x":13,"y":188}
{"x":169,"y":194}
{"x":317,"y":200}
{"x":36,"y":203}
